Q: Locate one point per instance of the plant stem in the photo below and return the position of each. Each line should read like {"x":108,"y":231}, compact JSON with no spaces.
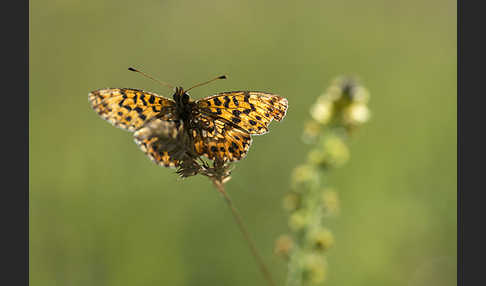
{"x":263,"y":268}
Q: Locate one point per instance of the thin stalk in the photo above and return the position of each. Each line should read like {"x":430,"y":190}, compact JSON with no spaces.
{"x":263,"y":268}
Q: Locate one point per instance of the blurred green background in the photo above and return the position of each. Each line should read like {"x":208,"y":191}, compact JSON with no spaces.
{"x":101,"y":213}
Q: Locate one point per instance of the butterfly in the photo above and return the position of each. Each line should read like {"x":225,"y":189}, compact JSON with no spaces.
{"x":219,"y":126}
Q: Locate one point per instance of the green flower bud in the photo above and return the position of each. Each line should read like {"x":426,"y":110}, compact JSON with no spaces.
{"x":315,"y":268}
{"x":312,"y":130}
{"x":322,"y":111}
{"x":331,"y":152}
{"x":356,"y":114}
{"x":298,"y":220}
{"x":321,"y":239}
{"x":330,"y":201}
{"x":303,"y":174}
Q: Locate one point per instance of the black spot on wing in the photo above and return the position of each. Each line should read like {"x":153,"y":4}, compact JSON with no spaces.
{"x":142,"y":98}
{"x":226,"y":101}
{"x":247,"y":96}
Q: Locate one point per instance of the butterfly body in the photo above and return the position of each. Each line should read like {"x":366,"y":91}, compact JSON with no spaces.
{"x":219,"y":126}
{"x":184,"y":106}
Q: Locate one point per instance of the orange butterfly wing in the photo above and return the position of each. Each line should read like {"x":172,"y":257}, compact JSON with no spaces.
{"x":252,"y":111}
{"x":155,"y":150}
{"x":160,"y":140}
{"x":218,"y":138}
{"x":229,"y":118}
{"x":128,"y":108}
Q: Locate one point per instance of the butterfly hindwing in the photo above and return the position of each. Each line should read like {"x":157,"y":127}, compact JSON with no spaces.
{"x":153,"y":147}
{"x":128,"y":108}
{"x":164,"y":141}
{"x":218,"y":138}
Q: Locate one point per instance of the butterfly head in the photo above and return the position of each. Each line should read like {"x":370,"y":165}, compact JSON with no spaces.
{"x":180,"y":96}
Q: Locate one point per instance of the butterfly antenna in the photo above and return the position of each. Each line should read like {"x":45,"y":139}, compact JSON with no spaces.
{"x":146,"y":75}
{"x":206,"y":82}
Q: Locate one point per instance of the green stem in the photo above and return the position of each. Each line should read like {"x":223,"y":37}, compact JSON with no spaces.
{"x":263,"y":268}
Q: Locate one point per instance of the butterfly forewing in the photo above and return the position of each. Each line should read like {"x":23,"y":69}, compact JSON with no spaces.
{"x":128,"y":108}
{"x":249,"y":110}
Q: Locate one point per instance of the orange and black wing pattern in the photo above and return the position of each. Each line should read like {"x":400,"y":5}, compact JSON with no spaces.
{"x":229,"y":118}
{"x":154,"y":149}
{"x":161,"y":141}
{"x":219,"y":139}
{"x":251,"y":111}
{"x":128,"y":108}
